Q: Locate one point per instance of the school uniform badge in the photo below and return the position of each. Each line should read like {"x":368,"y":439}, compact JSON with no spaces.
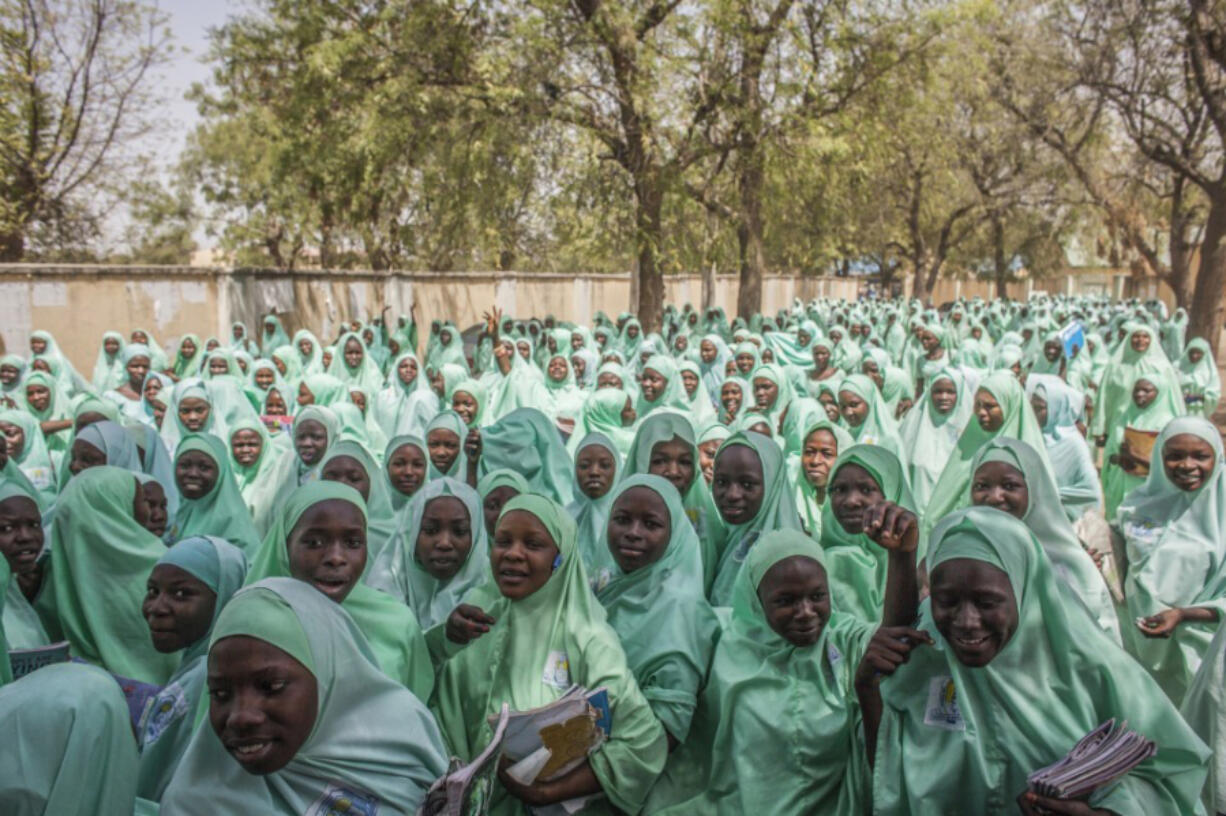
{"x":340,"y":801}
{"x":942,"y":710}
{"x":168,"y":706}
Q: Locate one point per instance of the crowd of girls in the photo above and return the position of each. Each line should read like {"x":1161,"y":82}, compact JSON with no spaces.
{"x":849,"y":558}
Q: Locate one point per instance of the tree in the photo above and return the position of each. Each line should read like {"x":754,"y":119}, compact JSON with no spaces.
{"x":76,"y":89}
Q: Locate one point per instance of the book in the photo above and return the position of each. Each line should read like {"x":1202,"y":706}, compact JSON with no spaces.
{"x":1140,"y":445}
{"x":24,"y":661}
{"x":1098,"y":759}
{"x":465,"y":790}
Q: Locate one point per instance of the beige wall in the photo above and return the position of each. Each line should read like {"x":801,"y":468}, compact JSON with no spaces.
{"x":78,"y":303}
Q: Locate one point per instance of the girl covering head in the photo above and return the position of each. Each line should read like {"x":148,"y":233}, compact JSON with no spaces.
{"x":598,"y":466}
{"x":33,"y":459}
{"x":210,"y":502}
{"x":390,"y":627}
{"x":426,"y":565}
{"x":188,"y":357}
{"x":654,"y":598}
{"x":567,"y":397}
{"x":259,"y":481}
{"x":1005,"y":413}
{"x":660,"y":386}
{"x":60,"y":365}
{"x":273,"y":335}
{"x":857,"y":566}
{"x":405,"y":407}
{"x":406,"y":462}
{"x":1199,"y":378}
{"x":363,"y":744}
{"x":1139,"y":350}
{"x":775,"y":379}
{"x":1152,"y":404}
{"x":527,"y":442}
{"x":75,"y":756}
{"x":445,"y":437}
{"x":354,"y":427}
{"x":23,"y":541}
{"x":750,"y":490}
{"x":311,"y":361}
{"x":549,"y":633}
{"x":1174,"y":527}
{"x":190,"y":585}
{"x":929,"y":433}
{"x":604,"y":412}
{"x":467,"y":398}
{"x":1039,"y":508}
{"x":966,"y":720}
{"x":698,"y":403}
{"x":363,"y":371}
{"x":351,"y":463}
{"x":711,"y":368}
{"x":109,"y":365}
{"x":322,"y":389}
{"x":1058,"y":407}
{"x":869,"y":420}
{"x":100,"y":558}
{"x":43,"y":398}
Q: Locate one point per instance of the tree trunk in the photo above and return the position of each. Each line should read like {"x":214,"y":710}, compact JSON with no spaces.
{"x":1000,"y":261}
{"x":650,"y":302}
{"x":12,"y":246}
{"x":1209,"y":297}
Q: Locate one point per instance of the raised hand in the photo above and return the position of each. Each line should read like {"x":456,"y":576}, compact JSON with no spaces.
{"x":890,"y":647}
{"x":466,"y":623}
{"x":892,"y":527}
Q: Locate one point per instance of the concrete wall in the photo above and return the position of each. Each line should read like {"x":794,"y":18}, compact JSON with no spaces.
{"x":77,"y":303}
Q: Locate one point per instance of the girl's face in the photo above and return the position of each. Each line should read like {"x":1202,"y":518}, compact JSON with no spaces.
{"x":491,"y":505}
{"x":217,"y":365}
{"x":653,"y":384}
{"x":194,"y":413}
{"x":85,"y":456}
{"x":39,"y":396}
{"x":1188,"y":461}
{"x":795,"y":597}
{"x":818,"y":456}
{"x":765,"y":392}
{"x":1039,"y":406}
{"x":407,"y":371}
{"x":9,"y":374}
{"x":1144,"y":393}
{"x":525,"y":349}
{"x":305,"y":397}
{"x":852,"y":491}
{"x":594,"y":471}
{"x":325,"y":358}
{"x":196,"y":474}
{"x":608,"y":380}
{"x":310,"y":441}
{"x":463,"y":404}
{"x":873,"y":371}
{"x":1001,"y":485}
{"x":274,"y":405}
{"x":353,"y":353}
{"x":853,"y":409}
{"x":1139,"y":341}
{"x":445,"y":538}
{"x":138,"y":369}
{"x":639,"y":528}
{"x":262,"y":702}
{"x":557,"y":368}
{"x":990,"y":415}
{"x":730,"y":397}
{"x":14,"y":439}
{"x":280,"y":365}
{"x":974,"y":609}
{"x":821,"y":356}
{"x":944,"y":396}
{"x":155,"y":500}
{"x":522,"y":555}
{"x":690,"y":380}
{"x":264,"y":378}
{"x":1195,"y":355}
{"x":407,"y":469}
{"x":706,"y":459}
{"x":737,"y":484}
{"x":327,"y":547}
{"x":246,"y":446}
{"x":140,"y":337}
{"x":707,"y":351}
{"x":178,"y":608}
{"x":744,"y":362}
{"x":21,"y":534}
{"x":444,"y":446}
{"x":580,"y":367}
{"x":358,"y":398}
{"x":347,"y":470}
{"x":188,"y":349}
{"x":674,"y":461}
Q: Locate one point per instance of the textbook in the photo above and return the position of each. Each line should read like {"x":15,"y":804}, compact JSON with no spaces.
{"x":1140,"y":446}
{"x":24,"y":661}
{"x":1098,"y":759}
{"x":465,"y":789}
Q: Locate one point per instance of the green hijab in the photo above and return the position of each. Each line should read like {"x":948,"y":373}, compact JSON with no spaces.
{"x":856,"y":565}
{"x":661,"y":614}
{"x":1167,"y":404}
{"x":805,"y":494}
{"x":448,"y":421}
{"x":527,"y":442}
{"x":929,"y":437}
{"x":777,"y":722}
{"x":188,"y":366}
{"x":35,"y":460}
{"x":100,"y":559}
{"x":950,"y":491}
{"x":398,"y":500}
{"x":259,"y":483}
{"x":785,"y":393}
{"x":537,"y":648}
{"x":374,"y":746}
{"x":391,"y":628}
{"x":602,"y":413}
{"x":71,"y":751}
{"x":1201,"y":382}
{"x":1175,"y":546}
{"x":1046,"y":519}
{"x":20,"y":626}
{"x":592,"y":515}
{"x":960,"y":739}
{"x":220,"y":512}
{"x":381,"y":519}
{"x":365,"y":374}
{"x":673,"y":395}
{"x":399,"y":573}
{"x":167,"y":723}
{"x":879,"y":427}
{"x":778,"y":512}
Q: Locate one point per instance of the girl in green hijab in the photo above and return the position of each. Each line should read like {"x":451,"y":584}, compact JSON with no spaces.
{"x":772,"y":390}
{"x":351,"y":463}
{"x":567,"y":397}
{"x":320,"y":539}
{"x":751,"y":492}
{"x":597,"y":468}
{"x":930,"y":431}
{"x":869,"y":420}
{"x":445,"y":436}
{"x":1009,"y":476}
{"x":1199,"y":378}
{"x":660,"y":386}
{"x":210,"y":502}
{"x":310,"y":355}
{"x":1154,"y":403}
{"x":353,"y":365}
{"x":406,"y":404}
{"x":187,"y":589}
{"x":75,"y":755}
{"x":348,"y":739}
{"x":260,"y":466}
{"x":273,"y":336}
{"x":1139,"y":350}
{"x":100,"y":557}
{"x":654,"y":598}
{"x":21,"y":544}
{"x":820,"y":444}
{"x":608,"y":411}
{"x":527,"y":442}
{"x":1011,"y":682}
{"x":188,"y":358}
{"x":27,"y":449}
{"x":321,"y":389}
{"x":549,"y":633}
{"x":1174,"y":529}
{"x":1058,"y":408}
{"x":1000,"y":409}
{"x":405,"y":462}
{"x":47,"y":403}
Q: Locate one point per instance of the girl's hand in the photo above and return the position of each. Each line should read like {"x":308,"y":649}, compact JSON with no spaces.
{"x":1161,"y":625}
{"x":892,"y":527}
{"x":466,"y":623}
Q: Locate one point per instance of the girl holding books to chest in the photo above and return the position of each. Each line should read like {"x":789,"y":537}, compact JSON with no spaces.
{"x":549,"y":633}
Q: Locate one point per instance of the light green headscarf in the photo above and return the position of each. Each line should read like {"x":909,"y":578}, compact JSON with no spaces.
{"x":805,"y":494}
{"x":259,"y":483}
{"x":391,"y":627}
{"x":366,"y":374}
{"x":325,"y":389}
{"x":313,"y":363}
{"x":950,"y":491}
{"x":955,"y":739}
{"x":930,"y":437}
{"x":1115,"y":390}
{"x":220,"y":512}
{"x":1168,"y":404}
{"x":1200,"y":381}
{"x":778,"y":512}
{"x":537,"y":648}
{"x":188,"y":366}
{"x":1071,"y":460}
{"x":168,"y":722}
{"x":405,"y":409}
{"x":401,"y":575}
{"x":1175,"y":545}
{"x":602,"y":413}
{"x":109,"y":368}
{"x":1046,"y":519}
{"x":374,"y":746}
{"x":879,"y":427}
{"x":398,"y":500}
{"x":785,"y":393}
{"x":70,"y":751}
{"x":20,"y":626}
{"x":100,"y":559}
{"x":448,"y":421}
{"x":856,"y":565}
{"x":674,"y":390}
{"x":35,"y":459}
{"x":274,"y":339}
{"x":777,"y":722}
{"x":662,"y":616}
{"x":592,"y":515}
{"x":527,"y":442}
{"x":381,"y":520}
